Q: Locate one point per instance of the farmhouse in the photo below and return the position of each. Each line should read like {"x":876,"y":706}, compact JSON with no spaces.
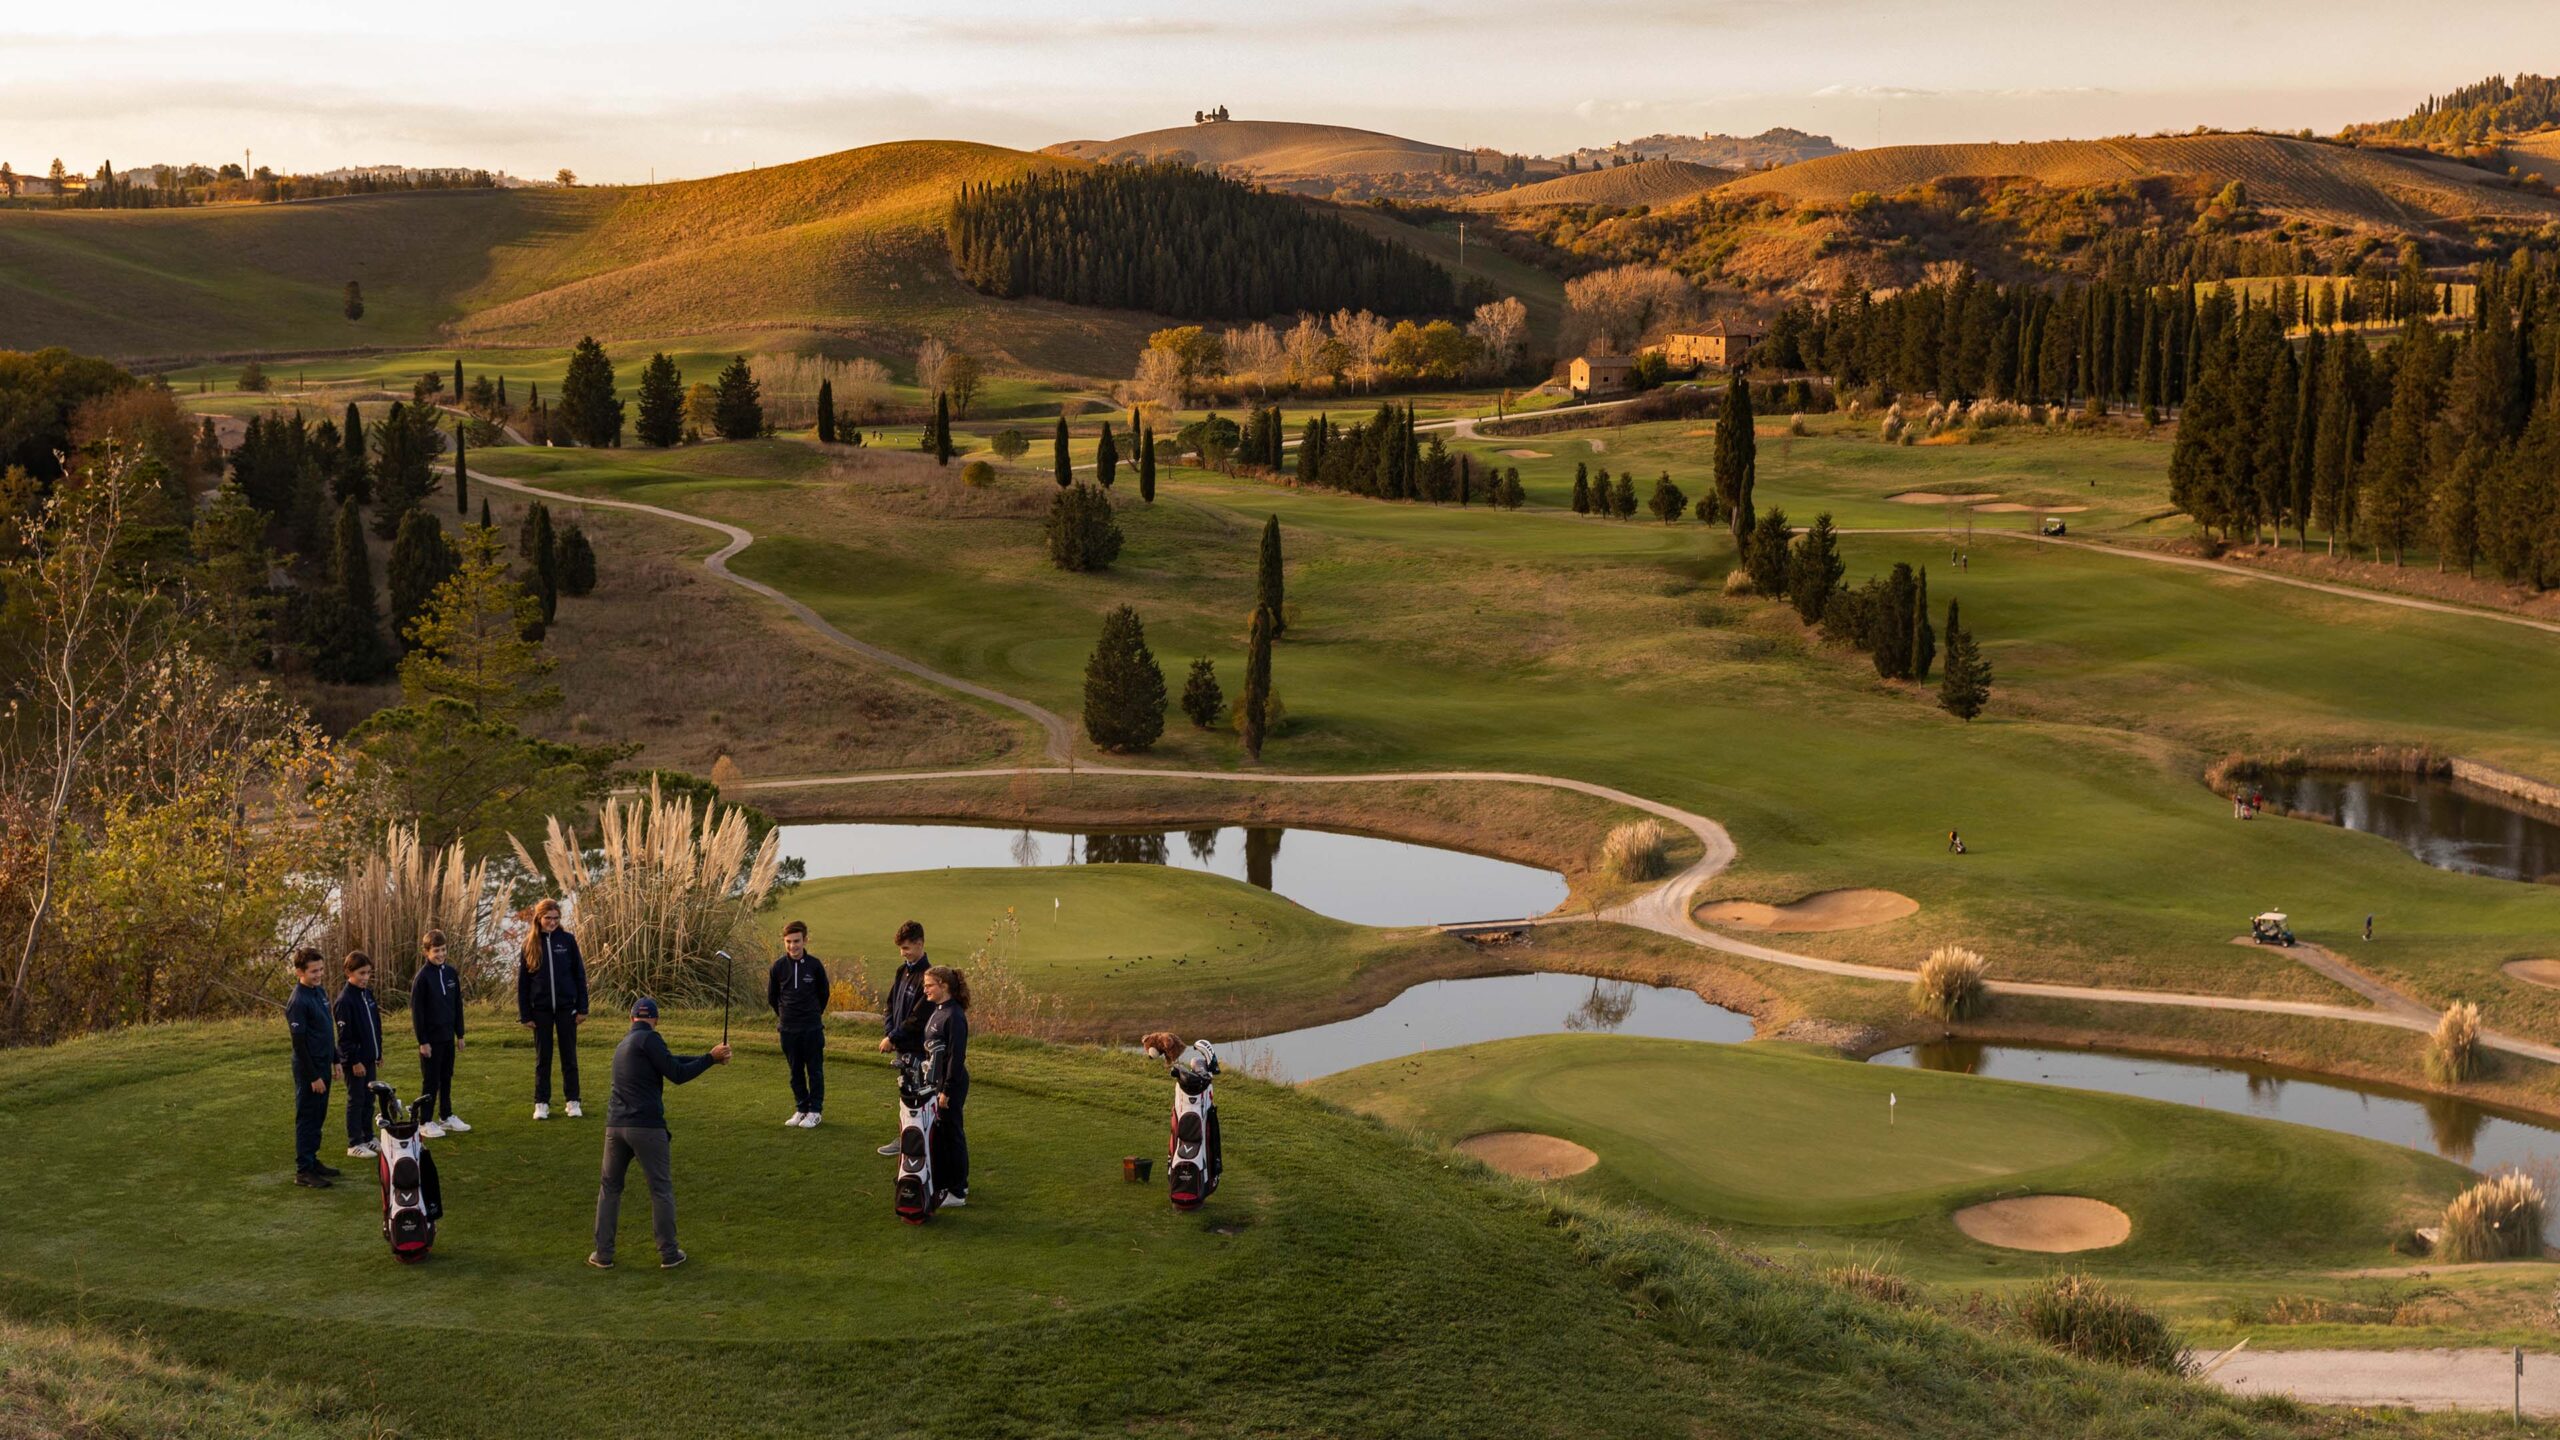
{"x":1721,"y":344}
{"x":1603,"y":375}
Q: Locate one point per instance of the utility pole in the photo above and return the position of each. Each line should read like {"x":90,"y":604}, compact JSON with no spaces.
{"x":1462,"y":244}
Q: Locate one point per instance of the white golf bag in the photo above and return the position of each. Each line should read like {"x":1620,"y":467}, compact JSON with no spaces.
{"x":412,"y":1198}
{"x":1193,"y":1150}
{"x":919,"y":1104}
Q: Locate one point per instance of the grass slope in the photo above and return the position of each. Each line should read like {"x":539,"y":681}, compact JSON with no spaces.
{"x":2336,"y":184}
{"x":1795,"y":1149}
{"x":1341,"y":1282}
{"x":1273,"y":147}
{"x":1646,"y":182}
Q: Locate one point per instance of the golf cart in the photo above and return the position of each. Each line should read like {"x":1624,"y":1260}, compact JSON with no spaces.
{"x":2053,"y":525}
{"x":2271,"y":929}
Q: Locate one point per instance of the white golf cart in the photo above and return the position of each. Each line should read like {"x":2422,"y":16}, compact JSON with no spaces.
{"x":2271,"y":929}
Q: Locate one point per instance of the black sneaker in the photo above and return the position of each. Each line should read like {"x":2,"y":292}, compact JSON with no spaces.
{"x":311,"y":1180}
{"x":680,"y":1258}
{"x":332,"y":1171}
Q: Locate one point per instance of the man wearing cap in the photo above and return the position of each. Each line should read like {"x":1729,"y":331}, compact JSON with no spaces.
{"x":635,"y":1127}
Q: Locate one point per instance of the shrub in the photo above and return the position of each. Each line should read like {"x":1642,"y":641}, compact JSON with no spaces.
{"x":1202,"y":700}
{"x":1737,"y":581}
{"x":253,"y":378}
{"x":2498,"y":1219}
{"x":2453,"y":1052}
{"x":1796,"y":426}
{"x":1637,"y":850}
{"x":2075,"y":1315}
{"x":1083,"y":533}
{"x":1891,"y":427}
{"x":1949,"y":985}
{"x":1011,"y":444}
{"x":977,"y":474}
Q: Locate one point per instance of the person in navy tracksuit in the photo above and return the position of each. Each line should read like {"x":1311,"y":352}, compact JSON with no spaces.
{"x":551,"y":1001}
{"x":904,"y":1008}
{"x":359,"y":1018}
{"x":315,"y":1051}
{"x":796,"y":990}
{"x":435,"y":1017}
{"x":946,"y":1068}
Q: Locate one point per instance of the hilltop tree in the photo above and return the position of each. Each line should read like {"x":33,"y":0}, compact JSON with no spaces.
{"x":1147,"y":463}
{"x":1066,"y":469}
{"x":577,"y":561}
{"x":1964,"y":687}
{"x":661,"y":418}
{"x":826,"y":411}
{"x":1106,"y":457}
{"x":1082,"y":531}
{"x":1270,"y":585}
{"x":348,"y":647}
{"x":588,"y":405}
{"x":353,"y":305}
{"x":421,"y":560}
{"x":1814,"y":571}
{"x":1123,"y":687}
{"x":1737,"y":459}
{"x":1253,"y":711}
{"x":1202,"y":700}
{"x":471,"y":645}
{"x":738,"y":414}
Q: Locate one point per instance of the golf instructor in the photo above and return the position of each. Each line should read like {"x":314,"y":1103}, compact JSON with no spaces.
{"x":635,"y":1127}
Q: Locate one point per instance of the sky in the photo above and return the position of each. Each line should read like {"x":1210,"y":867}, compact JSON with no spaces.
{"x":637,"y":88}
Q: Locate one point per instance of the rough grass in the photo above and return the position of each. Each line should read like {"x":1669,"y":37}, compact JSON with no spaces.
{"x":2080,"y":1317}
{"x":76,"y":1382}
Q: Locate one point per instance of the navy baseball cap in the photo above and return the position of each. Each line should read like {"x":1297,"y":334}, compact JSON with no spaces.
{"x":644,"y":1008}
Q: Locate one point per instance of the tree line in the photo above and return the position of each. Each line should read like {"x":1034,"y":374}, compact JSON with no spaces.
{"x":1383,"y":457}
{"x":1181,"y":241}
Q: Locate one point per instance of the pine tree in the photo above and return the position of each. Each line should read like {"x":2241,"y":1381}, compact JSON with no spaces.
{"x":588,"y":406}
{"x":1253,"y":710}
{"x":461,"y":473}
{"x":1737,"y":459}
{"x":1201,"y":698}
{"x":1123,"y":687}
{"x":661,"y":419}
{"x":1964,"y":687}
{"x":826,"y":412}
{"x":1147,"y":463}
{"x":474,"y":642}
{"x":421,"y":560}
{"x":1622,"y":498}
{"x":1065,"y":464}
{"x":544,"y":557}
{"x":1924,"y":641}
{"x":1082,"y":531}
{"x":1270,"y":591}
{"x":1668,"y":503}
{"x":1106,"y":457}
{"x":1765,"y":553}
{"x":1814,"y":570}
{"x":738,"y":413}
{"x":348,"y":648}
{"x":577,"y":561}
{"x":404,"y":447}
{"x":1581,"y":488}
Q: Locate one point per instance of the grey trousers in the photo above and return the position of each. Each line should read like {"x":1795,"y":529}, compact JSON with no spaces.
{"x":649,"y":1147}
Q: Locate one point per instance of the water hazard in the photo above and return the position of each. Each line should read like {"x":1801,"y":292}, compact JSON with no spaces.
{"x":1358,"y":878}
{"x":2450,"y":824}
{"x":1442,"y":1013}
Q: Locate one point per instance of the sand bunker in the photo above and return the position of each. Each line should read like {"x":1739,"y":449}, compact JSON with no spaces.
{"x":1524,"y":454}
{"x":1598,"y":447}
{"x":2535,"y":972}
{"x":1822,"y":910}
{"x":2012,"y":507}
{"x":1932,"y":497}
{"x":1529,"y":1155}
{"x":2048,"y":1224}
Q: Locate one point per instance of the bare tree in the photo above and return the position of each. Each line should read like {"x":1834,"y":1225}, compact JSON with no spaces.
{"x":1304,"y":348}
{"x":1611,"y":311}
{"x":931,"y":356}
{"x":1503,"y":327}
{"x":1254,"y":355}
{"x":1361,"y":334}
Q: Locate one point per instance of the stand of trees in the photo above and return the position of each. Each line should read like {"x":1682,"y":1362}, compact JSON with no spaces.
{"x":1180,"y":241}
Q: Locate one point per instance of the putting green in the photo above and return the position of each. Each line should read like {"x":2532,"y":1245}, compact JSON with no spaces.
{"x":1829,"y":1151}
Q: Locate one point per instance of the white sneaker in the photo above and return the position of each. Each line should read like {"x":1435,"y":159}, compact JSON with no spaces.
{"x":541,"y":1112}
{"x":798,"y":1118}
{"x":574,"y":1111}
{"x":454,"y":1124}
{"x":950,"y":1202}
{"x":432,"y":1130}
{"x":361,"y":1152}
{"x":812,"y":1122}
{"x":889,"y":1149}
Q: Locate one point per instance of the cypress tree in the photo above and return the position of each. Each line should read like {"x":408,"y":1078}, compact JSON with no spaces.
{"x":577,"y":561}
{"x":943,"y":449}
{"x":1622,"y":498}
{"x":1964,"y":687}
{"x":349,"y":647}
{"x":1924,"y":641}
{"x":457,"y":379}
{"x":1466,"y":478}
{"x":1123,"y":687}
{"x":826,"y":412}
{"x":1814,"y":570}
{"x":1106,"y":457}
{"x":1268,"y":583}
{"x":1065,"y":465}
{"x":1147,"y":463}
{"x":485,"y":523}
{"x":544,"y":553}
{"x":354,"y":481}
{"x":421,"y":560}
{"x":1253,"y":710}
{"x":461,"y":473}
{"x":1737,"y":459}
{"x":1581,"y":488}
{"x":661,"y":420}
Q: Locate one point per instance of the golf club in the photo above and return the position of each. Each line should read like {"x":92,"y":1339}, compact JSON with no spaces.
{"x":727,"y":966}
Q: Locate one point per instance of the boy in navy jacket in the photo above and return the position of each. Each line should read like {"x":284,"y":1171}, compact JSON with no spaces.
{"x":315,"y":1051}
{"x":796,"y":990}
{"x":359,"y":1018}
{"x":435,"y":1017}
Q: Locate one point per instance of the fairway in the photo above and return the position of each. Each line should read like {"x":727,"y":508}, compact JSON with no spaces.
{"x":1795,"y":1149}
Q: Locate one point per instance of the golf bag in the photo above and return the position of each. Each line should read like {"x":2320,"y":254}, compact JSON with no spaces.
{"x":412,"y":1199}
{"x":1196,"y":1158}
{"x":918,"y":1106}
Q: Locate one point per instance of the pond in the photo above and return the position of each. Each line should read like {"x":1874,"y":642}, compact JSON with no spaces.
{"x":2450,"y":824}
{"x":2458,"y":1130}
{"x":1357,"y":878}
{"x":1440,"y":1013}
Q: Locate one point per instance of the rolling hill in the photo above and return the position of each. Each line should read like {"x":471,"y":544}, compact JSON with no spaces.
{"x":1647,"y":182}
{"x":2331,"y":184}
{"x":1272,"y":147}
{"x":847,"y":246}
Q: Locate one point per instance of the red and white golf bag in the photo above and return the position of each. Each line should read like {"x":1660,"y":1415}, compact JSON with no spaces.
{"x":412,"y":1199}
{"x":919,"y":1104}
{"x":1195,"y":1160}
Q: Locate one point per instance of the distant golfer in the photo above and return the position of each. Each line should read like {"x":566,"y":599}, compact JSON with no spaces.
{"x":946,"y":1068}
{"x":796,"y":990}
{"x":902,"y":1015}
{"x":551,"y":1001}
{"x":2368,"y":927}
{"x":635,"y":1127}
{"x":359,"y":1018}
{"x":435,"y":1017}
{"x":315,"y":1050}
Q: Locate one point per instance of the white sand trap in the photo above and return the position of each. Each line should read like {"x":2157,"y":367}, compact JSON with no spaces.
{"x":1529,"y":1155}
{"x":1932,"y":497}
{"x":1822,"y":910}
{"x":1524,"y":454}
{"x":2535,"y":972}
{"x":2047,"y":1224}
{"x":2012,"y":507}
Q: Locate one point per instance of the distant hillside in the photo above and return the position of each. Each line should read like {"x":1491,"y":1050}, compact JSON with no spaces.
{"x":1778,"y":146}
{"x":848,"y":245}
{"x":2475,"y":113}
{"x":1271,"y":147}
{"x":1647,"y":182}
{"x":2331,"y":184}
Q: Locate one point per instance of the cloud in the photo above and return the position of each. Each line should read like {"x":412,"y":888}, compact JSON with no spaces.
{"x":1001,"y":30}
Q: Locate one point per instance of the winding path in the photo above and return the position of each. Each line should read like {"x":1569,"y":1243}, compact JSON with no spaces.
{"x":1665,"y":909}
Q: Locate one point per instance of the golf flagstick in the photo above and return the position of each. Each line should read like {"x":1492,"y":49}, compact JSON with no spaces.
{"x":727,"y":968}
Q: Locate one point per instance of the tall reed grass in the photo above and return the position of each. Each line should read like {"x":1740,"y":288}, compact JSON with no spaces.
{"x":1949,"y":984}
{"x":393,"y":893}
